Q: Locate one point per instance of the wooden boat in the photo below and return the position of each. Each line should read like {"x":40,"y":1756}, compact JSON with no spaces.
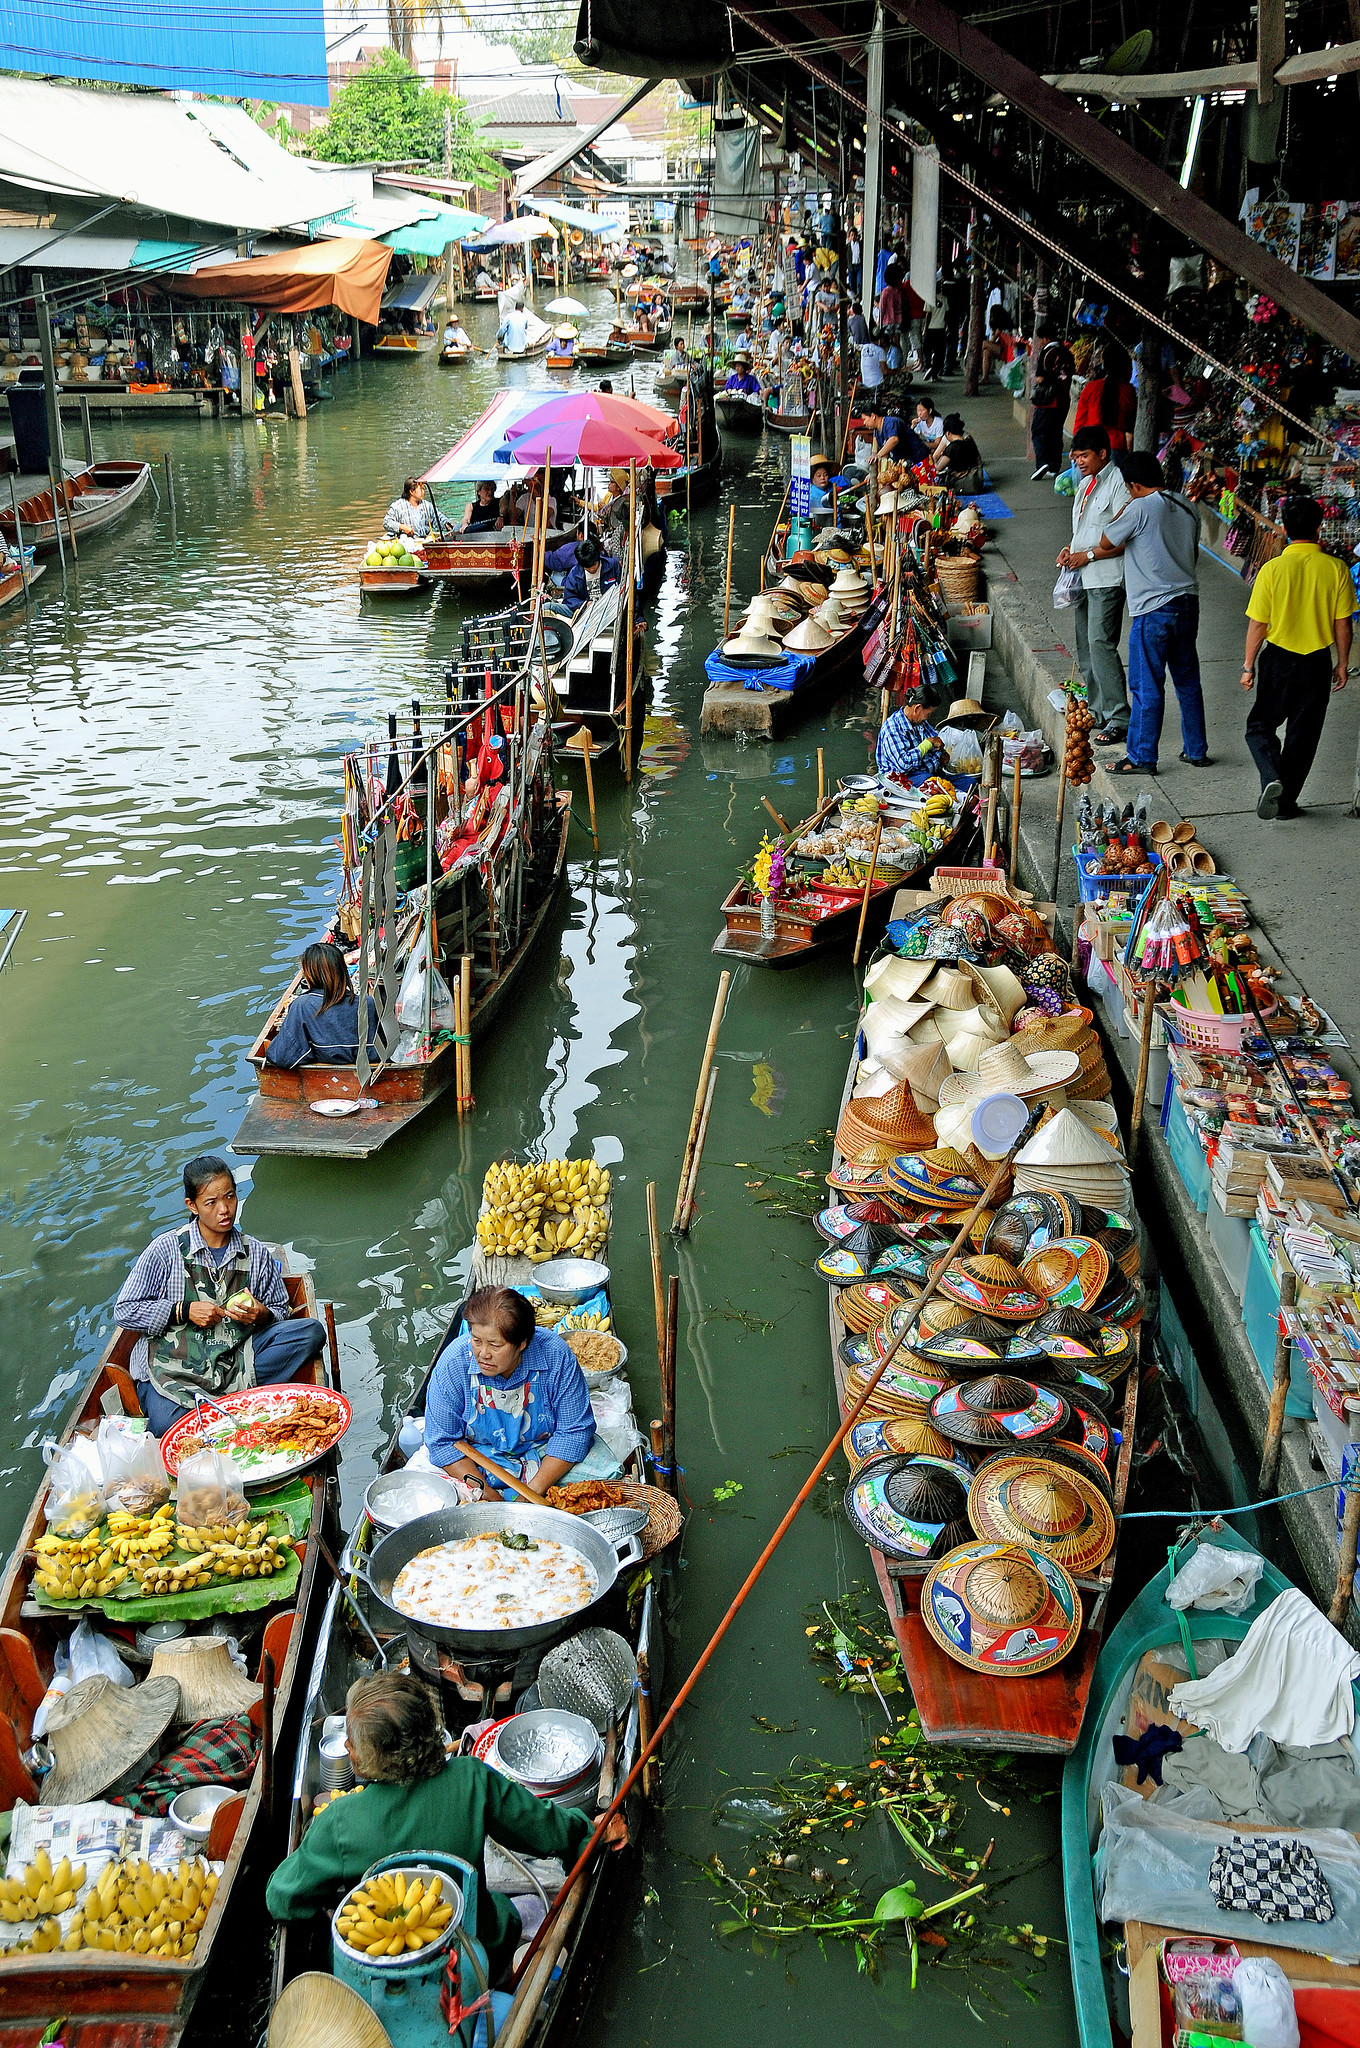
{"x":556,"y":362}
{"x":739,"y":412}
{"x":472,"y":560}
{"x":1147,"y":1625}
{"x":469,"y":1693}
{"x":387,"y":582}
{"x":113,"y":2000}
{"x":396,"y":348}
{"x":791,"y":422}
{"x":13,"y":578}
{"x":95,"y":496}
{"x":730,"y":707}
{"x":538,"y":340}
{"x":454,"y":354}
{"x":598,"y":354}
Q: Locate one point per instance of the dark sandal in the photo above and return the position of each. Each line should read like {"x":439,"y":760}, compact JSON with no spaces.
{"x":1109,"y":739}
{"x":1127,"y":767}
{"x":1206,"y":762}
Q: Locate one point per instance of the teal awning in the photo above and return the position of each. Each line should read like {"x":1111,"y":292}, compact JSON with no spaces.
{"x":432,"y":237}
{"x":166,"y":255}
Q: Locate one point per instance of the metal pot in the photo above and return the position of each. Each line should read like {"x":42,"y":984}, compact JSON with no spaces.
{"x":604,"y":1558}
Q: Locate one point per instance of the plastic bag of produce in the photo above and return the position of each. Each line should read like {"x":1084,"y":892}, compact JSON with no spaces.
{"x":135,"y":1478}
{"x":75,"y":1487}
{"x":211,"y":1494}
{"x":411,"y":1001}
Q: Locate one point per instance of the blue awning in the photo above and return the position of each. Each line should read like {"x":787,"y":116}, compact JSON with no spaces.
{"x":414,"y":293}
{"x":432,"y":237}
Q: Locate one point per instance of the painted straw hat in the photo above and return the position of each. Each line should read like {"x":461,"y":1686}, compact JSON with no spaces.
{"x":1044,"y":1507}
{"x":939,"y":1178}
{"x":1001,"y":1608}
{"x":1122,"y":1247}
{"x":1083,"y":1339}
{"x":907,"y":1435}
{"x":103,"y":1736}
{"x":1006,"y":1069}
{"x":1087,"y":1432}
{"x":863,"y":1306}
{"x":915,"y":1507}
{"x":1000,"y":1410}
{"x":979,"y":1346}
{"x":1029,"y":1220}
{"x":853,"y":1258}
{"x":991,"y":1286}
{"x":807,"y":637}
{"x":906,"y":1389}
{"x":837,"y":1223}
{"x":855,"y":1349}
{"x":1072,"y":1458}
{"x":317,"y":2010}
{"x":1070,"y":1272}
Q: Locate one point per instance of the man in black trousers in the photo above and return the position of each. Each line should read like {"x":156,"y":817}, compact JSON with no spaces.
{"x":1299,"y":625}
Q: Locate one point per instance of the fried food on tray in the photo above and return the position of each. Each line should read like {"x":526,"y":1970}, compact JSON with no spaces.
{"x":587,"y":1496}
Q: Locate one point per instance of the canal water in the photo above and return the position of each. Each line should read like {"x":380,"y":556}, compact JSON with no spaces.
{"x":175,"y":723}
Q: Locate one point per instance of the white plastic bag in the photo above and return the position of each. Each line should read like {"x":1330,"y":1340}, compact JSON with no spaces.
{"x":94,"y":1656}
{"x":62,"y":1682}
{"x":1268,"y":2016}
{"x":135,"y":1478}
{"x":411,"y":1001}
{"x":75,"y":1487}
{"x":1216,"y":1580}
{"x":1067,"y":589}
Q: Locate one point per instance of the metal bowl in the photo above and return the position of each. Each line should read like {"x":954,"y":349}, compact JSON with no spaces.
{"x":396,"y":1498}
{"x":192,"y":1812}
{"x":547,"y":1750}
{"x":570,"y":1280}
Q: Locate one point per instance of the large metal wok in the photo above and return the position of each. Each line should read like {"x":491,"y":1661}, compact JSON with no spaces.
{"x":604,"y":1558}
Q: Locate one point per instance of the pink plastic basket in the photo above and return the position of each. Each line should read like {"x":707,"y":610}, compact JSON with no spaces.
{"x":1209,"y":1032}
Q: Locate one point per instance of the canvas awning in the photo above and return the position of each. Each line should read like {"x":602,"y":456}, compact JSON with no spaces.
{"x":432,"y":237}
{"x":350,"y":275}
{"x":527,"y":229}
{"x":185,"y":160}
{"x":577,"y":217}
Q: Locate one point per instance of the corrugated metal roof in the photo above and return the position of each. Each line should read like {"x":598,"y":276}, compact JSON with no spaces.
{"x":528,"y":109}
{"x":243,"y":53}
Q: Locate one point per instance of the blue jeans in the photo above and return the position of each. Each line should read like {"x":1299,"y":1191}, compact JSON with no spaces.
{"x":281,"y":1351}
{"x":1158,"y":641}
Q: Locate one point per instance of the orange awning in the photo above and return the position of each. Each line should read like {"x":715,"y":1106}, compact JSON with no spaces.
{"x":347,"y":274}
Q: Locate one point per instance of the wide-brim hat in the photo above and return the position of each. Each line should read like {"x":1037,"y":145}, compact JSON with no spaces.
{"x":938,"y":1178}
{"x":979,"y":1345}
{"x":864,"y":1306}
{"x":966,"y":711}
{"x":1066,"y":1140}
{"x":908,"y":1436}
{"x":906,"y":1388}
{"x":1001,"y":1608}
{"x":807,"y":638}
{"x":1085,"y":1339}
{"x":1123,"y":1248}
{"x":740,"y":355}
{"x":991,"y":1286}
{"x":1005,"y":1069}
{"x":1006,"y":990}
{"x":1070,"y":1272}
{"x":752,"y":645}
{"x":892,"y":976}
{"x":851,"y":585}
{"x":566,"y":332}
{"x":210,"y":1686}
{"x":909,"y":1507}
{"x":842,"y":1219}
{"x":893,"y":1115}
{"x":1028,"y":1220}
{"x":1069,"y":1031}
{"x":1044,"y":1507}
{"x":103,"y":1735}
{"x":317,"y":2010}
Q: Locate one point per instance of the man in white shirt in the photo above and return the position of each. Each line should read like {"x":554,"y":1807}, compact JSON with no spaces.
{"x":871,"y":365}
{"x":1098,"y":615}
{"x":513,"y":332}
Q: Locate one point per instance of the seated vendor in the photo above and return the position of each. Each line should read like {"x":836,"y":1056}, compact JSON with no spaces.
{"x":821,"y":481}
{"x":414,"y":1798}
{"x":321,"y":1024}
{"x":409,"y":514}
{"x":483,"y":510}
{"x":908,"y":743}
{"x":740,"y":380}
{"x":956,"y":454}
{"x":514,"y":1392}
{"x":210,"y":1307}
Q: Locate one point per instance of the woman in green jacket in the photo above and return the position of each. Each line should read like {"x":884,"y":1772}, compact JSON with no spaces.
{"x":415,"y":1798}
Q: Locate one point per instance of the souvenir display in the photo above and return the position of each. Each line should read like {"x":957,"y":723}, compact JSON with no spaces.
{"x":914,"y":1507}
{"x":997,"y":1409}
{"x":1036,"y":1504}
{"x":1001,"y":1608}
{"x":992,"y":1286}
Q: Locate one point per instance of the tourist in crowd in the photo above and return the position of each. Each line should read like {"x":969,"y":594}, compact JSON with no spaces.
{"x":591,"y":573}
{"x":483,"y":511}
{"x":1110,"y":400}
{"x":927,"y":425}
{"x":937,"y":336}
{"x":1300,"y":622}
{"x":513,"y":332}
{"x":957,"y":457}
{"x":409,"y":514}
{"x":1158,"y":533}
{"x":889,"y":311}
{"x":999,"y":346}
{"x":854,"y":261}
{"x":872,"y":364}
{"x":1050,"y":394}
{"x":1098,"y":615}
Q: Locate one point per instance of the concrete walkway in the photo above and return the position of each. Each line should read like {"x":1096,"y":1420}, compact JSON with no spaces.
{"x":1302,"y":877}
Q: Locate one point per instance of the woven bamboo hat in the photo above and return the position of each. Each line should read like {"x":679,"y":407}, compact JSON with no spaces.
{"x":753,"y":645}
{"x":103,"y":1734}
{"x":908,"y":1435}
{"x":1006,"y":990}
{"x":939,"y":1178}
{"x":1007,"y":1068}
{"x":902,"y":979}
{"x":951,"y":987}
{"x":991,"y":1286}
{"x":807,"y":637}
{"x":966,"y":711}
{"x":1001,"y":1608}
{"x":317,"y":2011}
{"x":891,"y":1118}
{"x":1061,"y":1514}
{"x":1065,"y":1140}
{"x":915,"y":1507}
{"x":1069,"y":1272}
{"x":922,"y":1066}
{"x":210,"y":1686}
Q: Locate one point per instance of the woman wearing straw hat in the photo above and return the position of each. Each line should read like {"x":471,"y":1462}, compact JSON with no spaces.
{"x":416,"y":1798}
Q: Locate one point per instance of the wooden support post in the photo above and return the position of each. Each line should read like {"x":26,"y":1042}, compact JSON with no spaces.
{"x":658,"y":1284}
{"x":700,"y":1093}
{"x":1279,"y":1391}
{"x":87,"y":431}
{"x":1345,"y":1570}
{"x":670,"y":1477}
{"x":868,"y":889}
{"x":469,"y":1099}
{"x":169,"y":481}
{"x":646,"y":1722}
{"x":333,"y":1346}
{"x":977,"y":299}
{"x":295,"y":379}
{"x":1146,"y":1016}
{"x":267,"y":1727}
{"x":590,"y":785}
{"x":1270,"y":37}
{"x":632,"y":591}
{"x":821,"y":778}
{"x":1015,"y":817}
{"x":727,"y":585}
{"x":56,"y":519}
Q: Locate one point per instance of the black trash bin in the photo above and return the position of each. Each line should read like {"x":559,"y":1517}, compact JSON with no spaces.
{"x":28,"y":416}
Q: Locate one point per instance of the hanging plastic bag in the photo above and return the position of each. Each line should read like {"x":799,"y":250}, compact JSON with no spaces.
{"x":135,"y":1478}
{"x":1221,"y":1580}
{"x":94,"y":1656}
{"x":1067,"y":589}
{"x":411,"y":1000}
{"x":75,"y":1488}
{"x":211,"y":1495}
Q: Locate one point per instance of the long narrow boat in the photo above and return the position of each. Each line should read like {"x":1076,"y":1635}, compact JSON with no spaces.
{"x":740,"y":413}
{"x":1146,"y":1626}
{"x":454,"y":354}
{"x":95,"y":497}
{"x":791,"y":422}
{"x":114,"y":2000}
{"x":762,"y":708}
{"x":13,"y":576}
{"x":402,"y":348}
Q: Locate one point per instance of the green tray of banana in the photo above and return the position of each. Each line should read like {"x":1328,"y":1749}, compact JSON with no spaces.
{"x":151,"y":1567}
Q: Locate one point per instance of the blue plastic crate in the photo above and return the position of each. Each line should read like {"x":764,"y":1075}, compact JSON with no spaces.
{"x":1260,"y":1313}
{"x":1187,"y":1155}
{"x":1095,"y":888}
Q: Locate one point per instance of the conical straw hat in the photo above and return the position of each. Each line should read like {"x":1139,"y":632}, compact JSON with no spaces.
{"x":1065,"y":1141}
{"x":317,"y":2011}
{"x":1060,"y":1514}
{"x":950,"y":987}
{"x":752,"y":641}
{"x":102,"y":1733}
{"x":210,"y":1686}
{"x":891,"y":976}
{"x":1007,"y":990}
{"x":850,"y":584}
{"x":807,"y":638}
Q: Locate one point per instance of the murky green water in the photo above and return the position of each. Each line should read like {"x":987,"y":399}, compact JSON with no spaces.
{"x":168,"y":819}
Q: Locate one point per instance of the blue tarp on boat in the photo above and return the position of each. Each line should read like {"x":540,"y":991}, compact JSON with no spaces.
{"x":787,"y":674}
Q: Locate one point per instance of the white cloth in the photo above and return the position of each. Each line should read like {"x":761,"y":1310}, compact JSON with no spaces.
{"x":1290,"y":1680}
{"x":1097,"y":501}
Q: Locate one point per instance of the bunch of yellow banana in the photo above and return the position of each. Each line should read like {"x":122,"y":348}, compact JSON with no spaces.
{"x":548,"y":1314}
{"x":539,"y":1212}
{"x":870,"y":803}
{"x":239,"y":1534}
{"x":41,"y":1890}
{"x":136,"y":1910}
{"x":217,"y":1560}
{"x":134,"y":1538}
{"x":936,"y":806}
{"x":68,"y":1573}
{"x":574,"y":1320}
{"x":41,"y":1942}
{"x":390,"y":1915}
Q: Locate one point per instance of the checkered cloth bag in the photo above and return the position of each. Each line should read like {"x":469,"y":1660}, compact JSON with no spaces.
{"x":209,"y":1753}
{"x":1274,"y":1876}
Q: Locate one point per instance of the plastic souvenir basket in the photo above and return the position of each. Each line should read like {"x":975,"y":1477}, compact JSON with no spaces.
{"x":1203,"y":1030}
{"x":1095,"y":887}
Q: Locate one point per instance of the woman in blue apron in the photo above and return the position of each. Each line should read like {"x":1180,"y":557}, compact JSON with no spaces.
{"x":514,"y":1392}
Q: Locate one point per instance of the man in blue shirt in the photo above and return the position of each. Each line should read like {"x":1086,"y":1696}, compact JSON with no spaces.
{"x":893,"y":436}
{"x":908,"y":743}
{"x":591,"y":572}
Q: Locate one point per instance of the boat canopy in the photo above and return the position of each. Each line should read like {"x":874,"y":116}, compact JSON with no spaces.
{"x":483,"y":454}
{"x":413,"y":294}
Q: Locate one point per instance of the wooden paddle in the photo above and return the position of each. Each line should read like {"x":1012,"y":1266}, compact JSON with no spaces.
{"x":497,"y":1472}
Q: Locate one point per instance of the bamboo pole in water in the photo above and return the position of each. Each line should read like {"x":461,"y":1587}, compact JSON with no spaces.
{"x":727,"y":586}
{"x":670,"y":1477}
{"x":590,"y":785}
{"x":868,"y":889}
{"x":632,"y":588}
{"x":469,"y":1099}
{"x":687,"y":1212}
{"x":710,"y":1047}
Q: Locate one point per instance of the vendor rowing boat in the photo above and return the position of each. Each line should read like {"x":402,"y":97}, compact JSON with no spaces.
{"x":122,"y":1756}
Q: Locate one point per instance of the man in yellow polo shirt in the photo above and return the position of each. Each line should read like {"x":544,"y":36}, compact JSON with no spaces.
{"x":1299,"y":624}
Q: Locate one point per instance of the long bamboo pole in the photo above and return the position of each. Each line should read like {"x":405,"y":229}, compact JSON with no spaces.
{"x":908,"y":1318}
{"x":1279,"y":1389}
{"x":1147,"y":1017}
{"x":658,"y":1283}
{"x":868,"y":889}
{"x":710,"y":1047}
{"x":632,"y":587}
{"x":687,"y":1212}
{"x":466,"y":977}
{"x":1015,"y":816}
{"x":727,"y":585}
{"x":590,"y":785}
{"x":821,"y":777}
{"x":670,"y":1477}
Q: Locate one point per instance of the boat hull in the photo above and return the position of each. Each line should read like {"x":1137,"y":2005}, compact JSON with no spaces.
{"x":388,"y":582}
{"x":391,"y":350}
{"x":741,"y":415}
{"x":97,"y":496}
{"x":472,"y":561}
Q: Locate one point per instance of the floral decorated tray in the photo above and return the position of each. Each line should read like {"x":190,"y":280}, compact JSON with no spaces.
{"x":269,"y":1433}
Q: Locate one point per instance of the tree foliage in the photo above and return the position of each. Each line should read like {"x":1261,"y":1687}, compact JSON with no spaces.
{"x":387,"y":114}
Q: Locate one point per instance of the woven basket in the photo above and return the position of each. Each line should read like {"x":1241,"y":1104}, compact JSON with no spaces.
{"x":958,"y":576}
{"x":664,"y":1518}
